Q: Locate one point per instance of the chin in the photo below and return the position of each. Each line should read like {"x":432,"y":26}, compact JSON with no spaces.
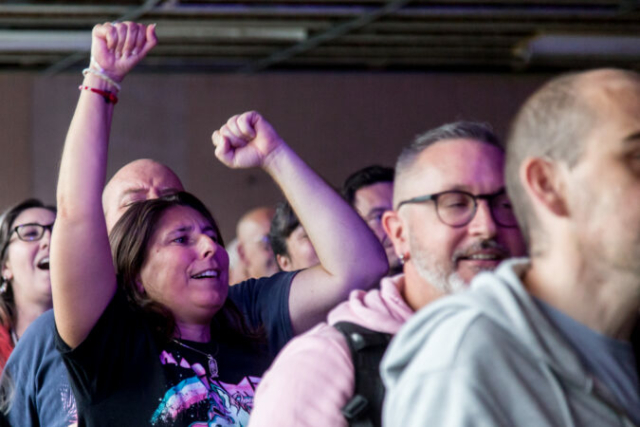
{"x":211,"y":302}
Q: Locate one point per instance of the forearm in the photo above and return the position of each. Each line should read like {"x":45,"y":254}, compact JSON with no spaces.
{"x":350,"y":255}
{"x":346,"y":247}
{"x":80,"y":254}
{"x":84,"y":158}
{"x":82,"y":276}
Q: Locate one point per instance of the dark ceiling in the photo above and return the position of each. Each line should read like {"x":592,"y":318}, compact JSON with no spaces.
{"x":253,"y":36}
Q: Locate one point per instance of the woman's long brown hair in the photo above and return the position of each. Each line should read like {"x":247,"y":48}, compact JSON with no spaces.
{"x":129,"y":240}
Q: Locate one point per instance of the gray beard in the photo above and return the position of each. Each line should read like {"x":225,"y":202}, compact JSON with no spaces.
{"x":433,"y":272}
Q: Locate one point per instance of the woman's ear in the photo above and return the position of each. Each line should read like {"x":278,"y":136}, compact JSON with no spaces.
{"x":544,"y":182}
{"x":7,"y":274}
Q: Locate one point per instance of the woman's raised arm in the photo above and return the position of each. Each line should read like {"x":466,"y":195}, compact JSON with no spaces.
{"x":82,"y":276}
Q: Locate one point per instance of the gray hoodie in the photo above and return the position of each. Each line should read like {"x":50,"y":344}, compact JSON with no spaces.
{"x":489,"y":357}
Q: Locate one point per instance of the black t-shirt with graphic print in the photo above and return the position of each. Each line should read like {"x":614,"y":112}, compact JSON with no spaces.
{"x":121,"y":376}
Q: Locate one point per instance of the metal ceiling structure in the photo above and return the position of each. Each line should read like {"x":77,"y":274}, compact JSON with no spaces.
{"x":257,"y":35}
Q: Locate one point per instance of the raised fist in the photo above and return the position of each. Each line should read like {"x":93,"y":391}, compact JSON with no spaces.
{"x":246,"y":140}
{"x":118,"y":47}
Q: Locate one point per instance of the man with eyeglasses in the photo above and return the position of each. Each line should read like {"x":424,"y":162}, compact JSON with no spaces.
{"x":452,"y":220}
{"x":553,"y":340}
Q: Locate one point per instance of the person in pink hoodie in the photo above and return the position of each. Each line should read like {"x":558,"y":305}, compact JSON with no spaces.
{"x":452,"y":220}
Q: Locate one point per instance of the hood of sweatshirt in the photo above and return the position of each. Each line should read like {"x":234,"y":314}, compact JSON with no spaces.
{"x":501,"y":297}
{"x":382,"y":310}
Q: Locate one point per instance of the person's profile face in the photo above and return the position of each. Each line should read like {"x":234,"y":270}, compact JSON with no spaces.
{"x":603,"y":188}
{"x":371,"y":202}
{"x":257,"y":248}
{"x":301,"y":253}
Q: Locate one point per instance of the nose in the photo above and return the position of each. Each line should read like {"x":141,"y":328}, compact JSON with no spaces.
{"x":207,"y":246}
{"x":45,"y":241}
{"x":482,"y":224}
{"x":153,"y":193}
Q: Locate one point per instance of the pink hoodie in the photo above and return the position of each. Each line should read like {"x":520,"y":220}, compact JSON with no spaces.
{"x":312,"y":377}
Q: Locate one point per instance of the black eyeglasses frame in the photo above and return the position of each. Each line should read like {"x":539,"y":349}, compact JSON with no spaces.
{"x":31,"y":224}
{"x":488,"y":197}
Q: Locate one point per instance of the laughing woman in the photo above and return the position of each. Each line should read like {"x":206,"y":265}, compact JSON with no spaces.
{"x":156,"y":342}
{"x":25,"y":292}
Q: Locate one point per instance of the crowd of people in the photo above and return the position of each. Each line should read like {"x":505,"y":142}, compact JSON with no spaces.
{"x":479,"y":282}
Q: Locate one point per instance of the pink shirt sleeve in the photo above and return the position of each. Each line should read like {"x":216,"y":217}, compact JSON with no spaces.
{"x":308,"y":383}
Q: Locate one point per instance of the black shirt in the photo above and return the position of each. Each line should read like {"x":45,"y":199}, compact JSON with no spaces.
{"x":121,"y":375}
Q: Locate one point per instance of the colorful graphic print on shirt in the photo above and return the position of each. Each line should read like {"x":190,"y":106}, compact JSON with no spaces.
{"x":69,"y":405}
{"x":208,"y":401}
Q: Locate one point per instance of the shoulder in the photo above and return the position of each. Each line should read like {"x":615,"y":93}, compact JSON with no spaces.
{"x":43,"y":325}
{"x":468,"y":368}
{"x":309,"y":382}
{"x":451,"y":331}
{"x":450,"y":334}
{"x":321,"y":350}
{"x":38,"y":339}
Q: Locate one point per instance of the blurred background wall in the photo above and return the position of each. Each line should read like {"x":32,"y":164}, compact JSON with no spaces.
{"x":346,"y":82}
{"x":338,"y":122}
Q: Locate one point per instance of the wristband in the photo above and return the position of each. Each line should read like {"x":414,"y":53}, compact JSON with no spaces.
{"x":109,"y":97}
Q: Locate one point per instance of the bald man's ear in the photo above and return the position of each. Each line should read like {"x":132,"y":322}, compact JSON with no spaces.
{"x":544,"y":181}
{"x":395,"y":227}
{"x":284,"y":262}
{"x":241,"y":253}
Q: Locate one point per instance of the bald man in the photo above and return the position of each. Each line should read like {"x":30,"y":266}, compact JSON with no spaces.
{"x":254,"y":249}
{"x":139,"y":180}
{"x":553,"y":340}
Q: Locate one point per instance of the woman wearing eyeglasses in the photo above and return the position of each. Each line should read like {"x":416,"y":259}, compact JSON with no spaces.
{"x":25,"y":291}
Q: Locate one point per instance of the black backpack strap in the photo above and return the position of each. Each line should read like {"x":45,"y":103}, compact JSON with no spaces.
{"x":367,"y":348}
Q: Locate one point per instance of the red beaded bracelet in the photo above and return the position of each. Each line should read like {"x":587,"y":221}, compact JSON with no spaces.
{"x":109,"y":97}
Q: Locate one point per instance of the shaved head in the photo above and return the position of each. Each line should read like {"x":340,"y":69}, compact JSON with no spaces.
{"x":257,"y":215}
{"x":254,"y":249}
{"x":555,"y":122}
{"x":139,"y":180}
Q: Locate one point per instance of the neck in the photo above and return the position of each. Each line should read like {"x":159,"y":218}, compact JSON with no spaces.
{"x":194,"y":331}
{"x":605,"y":301}
{"x":27,"y":313}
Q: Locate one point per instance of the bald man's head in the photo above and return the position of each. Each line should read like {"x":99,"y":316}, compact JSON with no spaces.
{"x":253,"y":242}
{"x":139,"y":180}
{"x":555,"y":122}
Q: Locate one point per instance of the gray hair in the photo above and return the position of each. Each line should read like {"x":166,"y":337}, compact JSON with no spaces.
{"x":481,"y":132}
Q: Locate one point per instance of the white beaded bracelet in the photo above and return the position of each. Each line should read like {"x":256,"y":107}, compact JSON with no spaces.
{"x":100,"y":73}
